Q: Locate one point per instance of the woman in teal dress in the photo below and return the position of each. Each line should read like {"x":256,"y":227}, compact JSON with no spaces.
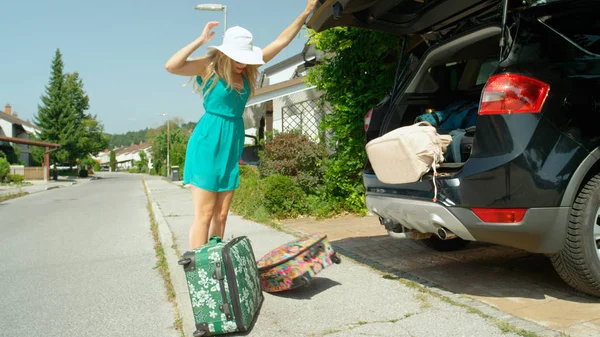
{"x":226,"y":78}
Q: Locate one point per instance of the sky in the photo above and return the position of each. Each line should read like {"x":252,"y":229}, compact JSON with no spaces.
{"x":120,"y":49}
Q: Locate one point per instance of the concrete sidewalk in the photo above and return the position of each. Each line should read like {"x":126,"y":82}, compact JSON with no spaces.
{"x":514,"y":281}
{"x":40,"y":185}
{"x":349,"y":299}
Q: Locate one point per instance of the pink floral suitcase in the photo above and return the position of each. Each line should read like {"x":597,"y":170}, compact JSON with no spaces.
{"x":295,"y":263}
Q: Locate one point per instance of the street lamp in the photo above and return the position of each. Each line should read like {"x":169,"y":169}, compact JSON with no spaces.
{"x":168,"y":145}
{"x":215,"y":8}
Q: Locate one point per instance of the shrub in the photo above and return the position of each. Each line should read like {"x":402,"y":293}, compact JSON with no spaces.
{"x":248,"y":200}
{"x":133,"y":170}
{"x":83,"y":173}
{"x":351,"y":94}
{"x":294,"y":155}
{"x":4,"y":168}
{"x":283,"y":197}
{"x":15,"y":178}
{"x":249,"y":171}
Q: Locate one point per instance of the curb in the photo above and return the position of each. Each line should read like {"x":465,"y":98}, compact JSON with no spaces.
{"x":178,"y":279}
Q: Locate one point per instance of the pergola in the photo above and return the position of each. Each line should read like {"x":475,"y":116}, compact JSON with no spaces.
{"x":48,"y":146}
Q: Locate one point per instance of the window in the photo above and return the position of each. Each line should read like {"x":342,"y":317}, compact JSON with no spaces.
{"x":582,"y":28}
{"x":487,"y":69}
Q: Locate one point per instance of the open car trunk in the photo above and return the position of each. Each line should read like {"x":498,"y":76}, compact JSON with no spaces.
{"x":443,"y":87}
{"x":459,"y":50}
{"x":401,"y":17}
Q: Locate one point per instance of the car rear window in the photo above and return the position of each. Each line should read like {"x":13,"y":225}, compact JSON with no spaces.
{"x":487,"y":69}
{"x":582,"y":29}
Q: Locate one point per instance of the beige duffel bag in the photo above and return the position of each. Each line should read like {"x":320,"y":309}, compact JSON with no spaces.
{"x":405,"y":154}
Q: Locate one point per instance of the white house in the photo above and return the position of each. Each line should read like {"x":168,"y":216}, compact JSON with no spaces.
{"x":12,"y":126}
{"x":126,"y":156}
{"x":285,"y":100}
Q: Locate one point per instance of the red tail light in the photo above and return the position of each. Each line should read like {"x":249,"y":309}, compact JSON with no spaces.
{"x":511,"y":93}
{"x":502,"y":215}
{"x":368,"y":119}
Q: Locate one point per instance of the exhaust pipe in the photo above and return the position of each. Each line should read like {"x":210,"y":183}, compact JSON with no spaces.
{"x":444,"y":234}
{"x":395,"y":235}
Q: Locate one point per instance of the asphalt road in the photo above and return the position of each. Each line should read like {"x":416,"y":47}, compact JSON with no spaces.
{"x":78,"y":261}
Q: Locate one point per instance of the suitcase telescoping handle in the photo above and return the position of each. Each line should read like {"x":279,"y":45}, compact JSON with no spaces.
{"x":215,"y":239}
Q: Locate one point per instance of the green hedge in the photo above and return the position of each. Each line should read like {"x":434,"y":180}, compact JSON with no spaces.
{"x":283,"y":198}
{"x":4,"y":168}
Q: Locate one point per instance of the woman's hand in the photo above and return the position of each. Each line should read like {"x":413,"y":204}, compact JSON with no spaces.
{"x":270,"y":51}
{"x":207,"y":33}
{"x":311,"y":5}
{"x":178,"y":64}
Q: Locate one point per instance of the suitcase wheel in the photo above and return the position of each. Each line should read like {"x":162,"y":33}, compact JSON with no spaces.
{"x":183,"y":262}
{"x":336,"y":259}
{"x":304,"y":281}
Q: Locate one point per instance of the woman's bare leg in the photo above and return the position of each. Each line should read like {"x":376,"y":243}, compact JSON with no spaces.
{"x":204,"y":205}
{"x":220,"y":211}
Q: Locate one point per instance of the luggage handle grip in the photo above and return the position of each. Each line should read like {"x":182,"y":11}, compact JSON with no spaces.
{"x":423,"y":123}
{"x":215,"y":240}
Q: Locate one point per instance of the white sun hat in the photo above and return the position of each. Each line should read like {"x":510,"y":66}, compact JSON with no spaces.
{"x":237,"y":45}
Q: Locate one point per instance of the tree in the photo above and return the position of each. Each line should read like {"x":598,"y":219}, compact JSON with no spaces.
{"x":126,"y":139}
{"x":90,"y":133}
{"x":142,"y":164}
{"x":178,"y":139}
{"x":356,"y":73}
{"x":62,"y":118}
{"x":91,"y":138}
{"x":56,"y":116}
{"x":113,"y":161}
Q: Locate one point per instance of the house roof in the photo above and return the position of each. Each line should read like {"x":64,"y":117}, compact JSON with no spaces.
{"x":290,"y":61}
{"x":278,"y":90}
{"x":14,"y":120}
{"x":133,"y":148}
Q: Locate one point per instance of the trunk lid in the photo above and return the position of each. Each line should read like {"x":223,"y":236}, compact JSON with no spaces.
{"x":400,"y":17}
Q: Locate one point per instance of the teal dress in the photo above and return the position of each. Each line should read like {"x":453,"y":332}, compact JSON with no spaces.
{"x":215,"y":147}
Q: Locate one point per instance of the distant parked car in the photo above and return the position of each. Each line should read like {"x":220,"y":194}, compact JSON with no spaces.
{"x":250,"y":154}
{"x":63,"y":166}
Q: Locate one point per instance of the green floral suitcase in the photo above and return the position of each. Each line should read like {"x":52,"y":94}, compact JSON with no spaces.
{"x":224,"y":286}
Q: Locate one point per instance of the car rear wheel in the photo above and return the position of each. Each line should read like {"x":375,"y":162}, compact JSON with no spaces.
{"x":578,"y":263}
{"x":440,"y":245}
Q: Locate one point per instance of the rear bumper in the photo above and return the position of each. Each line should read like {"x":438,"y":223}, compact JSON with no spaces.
{"x":542,"y":230}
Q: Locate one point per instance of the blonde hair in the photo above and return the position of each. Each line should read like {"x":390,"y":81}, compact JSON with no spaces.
{"x":221,"y":66}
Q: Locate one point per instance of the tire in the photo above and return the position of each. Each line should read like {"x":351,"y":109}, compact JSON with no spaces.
{"x":335,"y":258}
{"x":440,"y":245}
{"x":578,"y":263}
